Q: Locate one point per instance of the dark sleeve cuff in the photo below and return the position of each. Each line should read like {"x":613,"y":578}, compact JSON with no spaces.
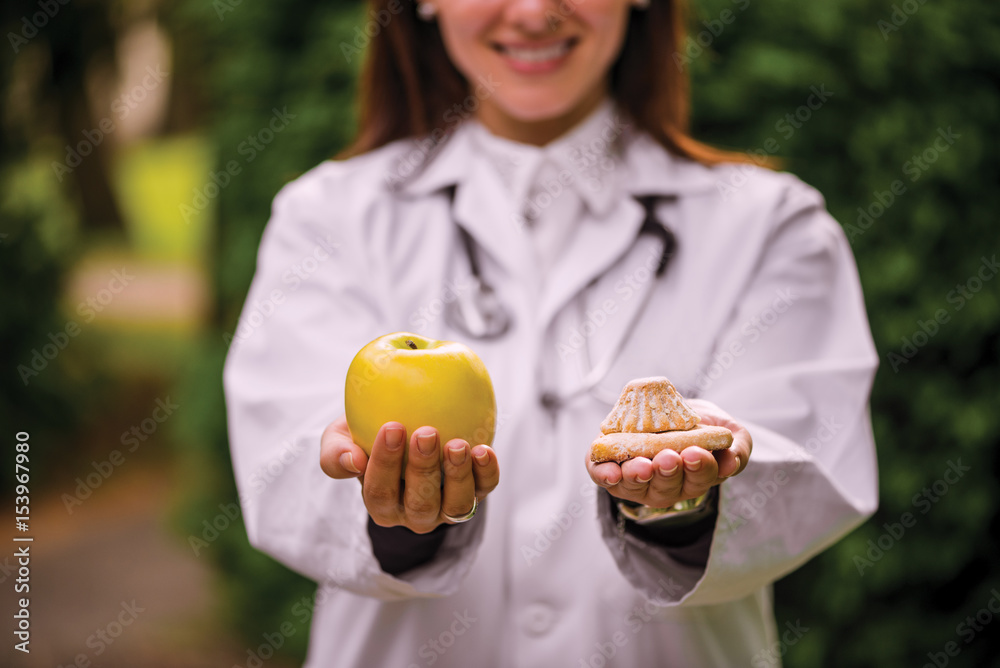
{"x":688,"y":544}
{"x":398,"y":549}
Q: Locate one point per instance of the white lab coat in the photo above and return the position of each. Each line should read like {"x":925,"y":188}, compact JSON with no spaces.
{"x":759,"y":311}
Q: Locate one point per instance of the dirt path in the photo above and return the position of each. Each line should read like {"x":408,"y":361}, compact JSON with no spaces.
{"x":112,"y":585}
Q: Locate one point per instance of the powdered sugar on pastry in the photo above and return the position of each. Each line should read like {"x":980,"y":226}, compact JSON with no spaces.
{"x":648,"y":405}
{"x":651,"y":416}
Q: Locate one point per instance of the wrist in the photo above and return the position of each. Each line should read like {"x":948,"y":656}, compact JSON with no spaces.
{"x":682,"y":513}
{"x":666,"y":527}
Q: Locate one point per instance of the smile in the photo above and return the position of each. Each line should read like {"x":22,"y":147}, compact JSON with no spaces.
{"x":545,"y":58}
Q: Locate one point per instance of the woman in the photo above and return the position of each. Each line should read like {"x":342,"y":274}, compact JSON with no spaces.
{"x":539,"y":147}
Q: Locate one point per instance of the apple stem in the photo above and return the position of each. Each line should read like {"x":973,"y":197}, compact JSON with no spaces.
{"x":412,"y":345}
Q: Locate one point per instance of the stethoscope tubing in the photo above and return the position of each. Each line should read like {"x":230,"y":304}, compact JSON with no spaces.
{"x":479,"y":313}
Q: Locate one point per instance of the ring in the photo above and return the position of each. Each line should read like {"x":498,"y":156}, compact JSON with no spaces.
{"x":464,"y":518}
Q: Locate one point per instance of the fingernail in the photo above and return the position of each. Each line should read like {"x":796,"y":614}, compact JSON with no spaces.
{"x":483,"y":458}
{"x":456,"y":455}
{"x":669,"y":471}
{"x":736,"y":470}
{"x":638,"y":479}
{"x":692,"y":465}
{"x":393,"y":438}
{"x":347,"y":461}
{"x":426,"y":443}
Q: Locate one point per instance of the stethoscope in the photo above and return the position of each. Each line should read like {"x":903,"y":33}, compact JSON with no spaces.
{"x":479,"y":314}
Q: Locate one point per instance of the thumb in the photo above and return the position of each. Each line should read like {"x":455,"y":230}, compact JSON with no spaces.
{"x":339,"y":456}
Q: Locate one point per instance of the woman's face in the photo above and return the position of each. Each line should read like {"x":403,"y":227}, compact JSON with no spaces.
{"x":543,"y":63}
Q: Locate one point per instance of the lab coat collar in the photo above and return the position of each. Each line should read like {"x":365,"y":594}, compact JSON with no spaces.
{"x":582,"y":158}
{"x":649,"y":168}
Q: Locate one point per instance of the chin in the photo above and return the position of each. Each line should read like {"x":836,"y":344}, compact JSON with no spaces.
{"x":539,"y":106}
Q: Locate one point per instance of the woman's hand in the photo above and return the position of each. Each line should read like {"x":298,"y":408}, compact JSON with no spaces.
{"x":670,"y":476}
{"x":414,"y":498}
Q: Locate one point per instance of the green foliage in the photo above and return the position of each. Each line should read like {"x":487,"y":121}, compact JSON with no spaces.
{"x":891,"y":96}
{"x":892,"y":92}
{"x":42,"y":385}
{"x":50,"y":385}
{"x":262,"y":57}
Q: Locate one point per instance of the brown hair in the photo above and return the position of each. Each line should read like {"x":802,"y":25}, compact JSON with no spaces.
{"x":409,"y":84}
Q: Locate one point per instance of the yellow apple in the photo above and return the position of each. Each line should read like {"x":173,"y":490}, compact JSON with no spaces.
{"x":418,"y":382}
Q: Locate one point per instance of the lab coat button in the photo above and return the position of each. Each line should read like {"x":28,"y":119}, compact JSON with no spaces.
{"x":538,"y":618}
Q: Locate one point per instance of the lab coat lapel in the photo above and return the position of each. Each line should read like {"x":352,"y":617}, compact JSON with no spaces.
{"x":485,"y":212}
{"x":480,"y":205}
{"x":593,"y":250}
{"x":605,"y":236}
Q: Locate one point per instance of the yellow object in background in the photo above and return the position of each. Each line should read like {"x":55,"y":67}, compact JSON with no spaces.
{"x":158,"y":183}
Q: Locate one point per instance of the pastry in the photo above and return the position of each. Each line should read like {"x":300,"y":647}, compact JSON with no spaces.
{"x":650,"y":416}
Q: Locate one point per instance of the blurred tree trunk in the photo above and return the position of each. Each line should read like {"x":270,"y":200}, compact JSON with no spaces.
{"x":77,"y":36}
{"x":82,"y":36}
{"x":92,"y":177}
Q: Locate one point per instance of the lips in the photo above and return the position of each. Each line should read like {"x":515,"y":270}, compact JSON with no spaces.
{"x":536,"y":58}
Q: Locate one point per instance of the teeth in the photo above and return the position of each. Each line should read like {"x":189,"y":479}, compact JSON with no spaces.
{"x":538,"y":55}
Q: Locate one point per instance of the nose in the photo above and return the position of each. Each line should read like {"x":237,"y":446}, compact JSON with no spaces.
{"x":533,"y":16}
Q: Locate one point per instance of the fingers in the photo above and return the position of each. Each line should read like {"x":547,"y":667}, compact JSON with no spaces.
{"x":339,"y":456}
{"x":459,"y":490}
{"x":728,"y":461}
{"x":422,"y":487}
{"x":701,"y":472}
{"x":742,"y":448}
{"x":381,"y":483}
{"x":605,"y":474}
{"x":636,"y":476}
{"x":668,"y":479}
{"x":412,"y":495}
{"x":485,"y":470}
{"x":733,"y":460}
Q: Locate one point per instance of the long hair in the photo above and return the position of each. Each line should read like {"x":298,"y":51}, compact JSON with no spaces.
{"x":410,"y":88}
